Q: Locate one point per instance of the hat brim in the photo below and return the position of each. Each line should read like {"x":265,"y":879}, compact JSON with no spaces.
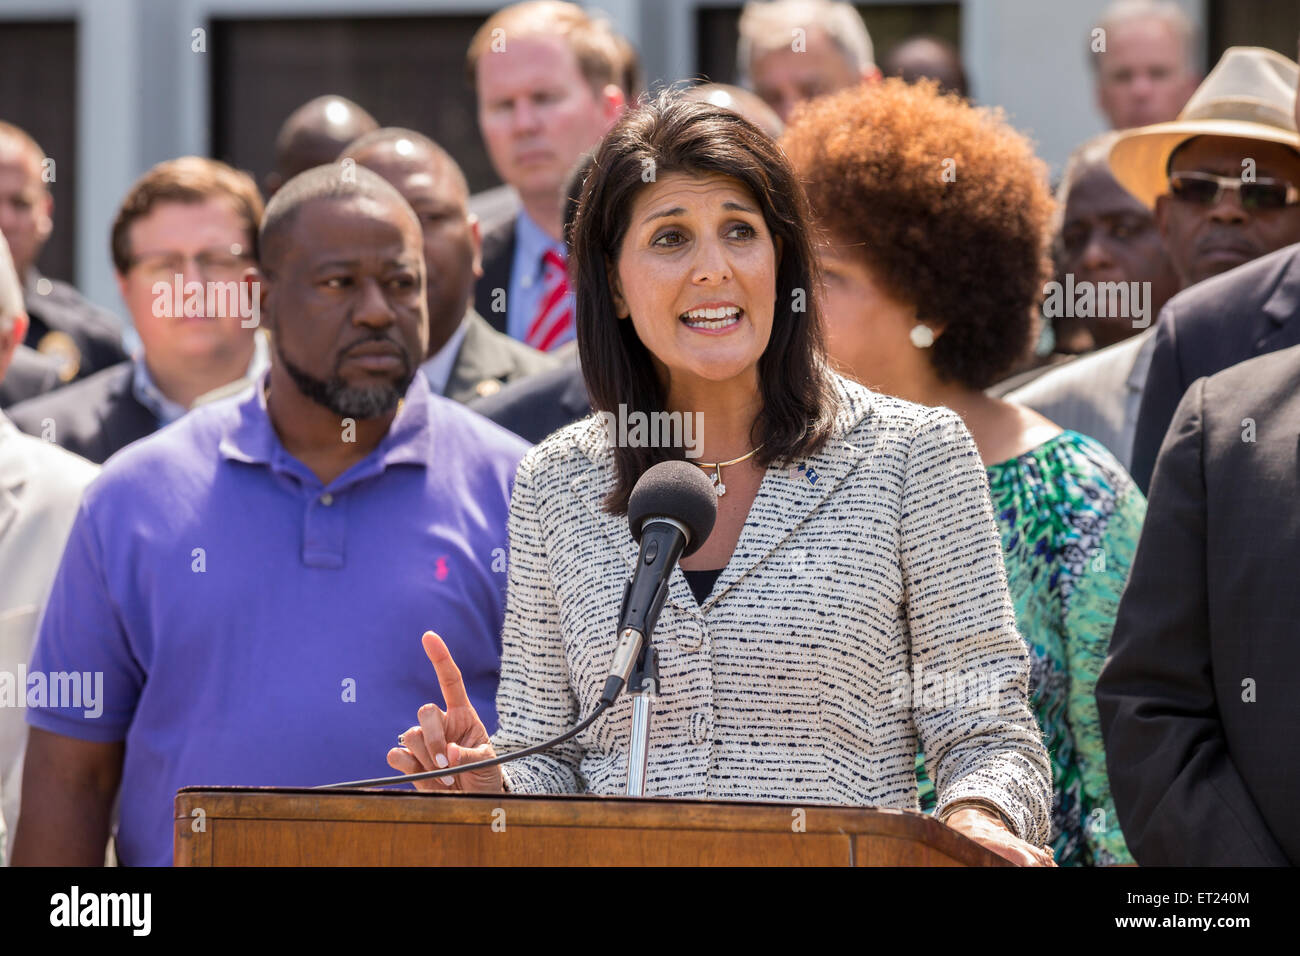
{"x":1139,"y":158}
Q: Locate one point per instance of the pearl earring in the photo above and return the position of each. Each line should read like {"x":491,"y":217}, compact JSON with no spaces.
{"x":922,"y":336}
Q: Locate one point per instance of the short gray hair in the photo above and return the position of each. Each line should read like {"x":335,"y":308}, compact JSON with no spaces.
{"x":11,"y":289}
{"x":769,"y":26}
{"x":1129,"y":11}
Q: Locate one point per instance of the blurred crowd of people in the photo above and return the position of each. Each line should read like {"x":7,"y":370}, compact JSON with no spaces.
{"x":1123,"y":346}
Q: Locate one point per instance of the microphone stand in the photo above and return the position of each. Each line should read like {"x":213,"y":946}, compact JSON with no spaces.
{"x":643,"y":688}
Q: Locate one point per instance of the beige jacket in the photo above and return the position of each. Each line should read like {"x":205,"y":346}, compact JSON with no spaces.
{"x":864,"y":612}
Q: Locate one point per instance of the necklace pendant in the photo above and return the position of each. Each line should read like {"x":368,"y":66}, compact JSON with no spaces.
{"x":718,"y":487}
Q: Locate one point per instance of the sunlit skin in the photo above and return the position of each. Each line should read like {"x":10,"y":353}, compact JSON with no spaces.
{"x":26,"y":207}
{"x":344,"y":294}
{"x":784,"y":77}
{"x":452,"y":240}
{"x":188,"y":355}
{"x":1108,"y":236}
{"x":869,"y":339}
{"x":1204,"y":241}
{"x":538,"y":114}
{"x":701,"y":242}
{"x":1143,"y":76}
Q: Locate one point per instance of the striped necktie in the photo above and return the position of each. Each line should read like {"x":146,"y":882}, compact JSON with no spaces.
{"x":554,"y":317}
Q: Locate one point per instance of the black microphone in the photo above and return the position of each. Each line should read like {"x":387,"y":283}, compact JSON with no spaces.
{"x":671,"y":513}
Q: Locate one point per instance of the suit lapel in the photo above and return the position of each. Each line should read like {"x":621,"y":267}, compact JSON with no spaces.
{"x":498,"y":259}
{"x":787,"y":497}
{"x":476,"y":361}
{"x":1281,"y":307}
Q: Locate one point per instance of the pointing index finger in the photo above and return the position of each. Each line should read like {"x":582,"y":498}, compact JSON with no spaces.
{"x":449,"y":679}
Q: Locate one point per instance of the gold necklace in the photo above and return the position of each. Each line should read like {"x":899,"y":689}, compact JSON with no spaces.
{"x":718,"y":486}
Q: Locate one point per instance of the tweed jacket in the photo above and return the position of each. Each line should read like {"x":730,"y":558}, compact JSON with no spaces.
{"x":864,"y":610}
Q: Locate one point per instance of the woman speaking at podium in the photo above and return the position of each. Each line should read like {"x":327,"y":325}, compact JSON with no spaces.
{"x":850,"y":603}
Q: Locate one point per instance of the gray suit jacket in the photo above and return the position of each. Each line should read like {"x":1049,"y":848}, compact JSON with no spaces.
{"x":489,"y":359}
{"x":40,"y":489}
{"x":1096,"y":395}
{"x":1198,"y":700}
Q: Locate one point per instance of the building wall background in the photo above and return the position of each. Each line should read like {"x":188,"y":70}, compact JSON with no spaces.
{"x":138,"y":91}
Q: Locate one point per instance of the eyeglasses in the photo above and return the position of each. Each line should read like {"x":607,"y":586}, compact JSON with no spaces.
{"x":1206,"y":189}
{"x":209,"y":262}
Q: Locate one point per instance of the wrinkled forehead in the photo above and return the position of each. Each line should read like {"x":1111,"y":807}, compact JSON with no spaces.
{"x":352,"y":228}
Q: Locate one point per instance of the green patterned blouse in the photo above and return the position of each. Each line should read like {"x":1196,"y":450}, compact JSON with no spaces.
{"x":1070,"y":517}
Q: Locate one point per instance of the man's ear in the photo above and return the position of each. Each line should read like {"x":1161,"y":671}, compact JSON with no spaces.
{"x":613,"y":102}
{"x":45,"y":225}
{"x":9,"y":341}
{"x":476,"y":240}
{"x":262,"y":289}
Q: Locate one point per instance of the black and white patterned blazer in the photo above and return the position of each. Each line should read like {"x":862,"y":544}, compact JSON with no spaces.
{"x":864,"y":610}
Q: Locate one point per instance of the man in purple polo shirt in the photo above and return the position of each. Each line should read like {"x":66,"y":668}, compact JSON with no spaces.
{"x":259,"y":573}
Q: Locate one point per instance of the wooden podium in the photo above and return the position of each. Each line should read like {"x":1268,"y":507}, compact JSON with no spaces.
{"x":241,"y":826}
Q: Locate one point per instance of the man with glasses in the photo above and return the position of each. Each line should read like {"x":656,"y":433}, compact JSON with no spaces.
{"x":184,"y":238}
{"x":1240,"y":201}
{"x":1221,"y":181}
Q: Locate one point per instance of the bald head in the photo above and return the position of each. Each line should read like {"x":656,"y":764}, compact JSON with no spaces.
{"x":395,"y":148}
{"x":331,"y":181}
{"x":747,"y":104}
{"x":927,"y":57}
{"x":314,"y":134}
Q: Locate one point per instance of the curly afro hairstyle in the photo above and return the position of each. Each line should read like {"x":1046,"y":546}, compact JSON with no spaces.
{"x":949,"y":205}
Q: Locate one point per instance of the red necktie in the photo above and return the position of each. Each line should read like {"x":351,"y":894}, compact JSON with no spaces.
{"x":554,"y":312}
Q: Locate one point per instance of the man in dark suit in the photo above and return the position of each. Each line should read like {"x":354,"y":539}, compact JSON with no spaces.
{"x":539,"y":405}
{"x":1250,"y":311}
{"x":467,"y":358}
{"x":1214,"y":325}
{"x":1197,"y":700}
{"x":539,"y":107}
{"x":82,"y":338}
{"x":183,"y":245}
{"x":30,"y":374}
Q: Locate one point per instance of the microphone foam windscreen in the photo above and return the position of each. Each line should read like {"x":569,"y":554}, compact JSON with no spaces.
{"x":678,"y":490}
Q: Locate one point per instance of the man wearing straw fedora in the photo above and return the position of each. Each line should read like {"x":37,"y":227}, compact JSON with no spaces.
{"x":1222,"y":181}
{"x":1250,"y":211}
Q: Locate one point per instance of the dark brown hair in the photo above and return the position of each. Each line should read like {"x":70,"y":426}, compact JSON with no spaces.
{"x":189,"y":179}
{"x":672,"y":135}
{"x":969,"y":249}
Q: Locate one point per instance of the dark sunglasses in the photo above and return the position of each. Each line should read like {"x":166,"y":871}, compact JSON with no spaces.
{"x":1206,"y":189}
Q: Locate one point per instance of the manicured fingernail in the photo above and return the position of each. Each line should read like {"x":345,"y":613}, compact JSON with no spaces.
{"x":441,"y":760}
{"x":449,"y":781}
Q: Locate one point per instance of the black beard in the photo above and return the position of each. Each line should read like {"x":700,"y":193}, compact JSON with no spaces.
{"x":344,"y":400}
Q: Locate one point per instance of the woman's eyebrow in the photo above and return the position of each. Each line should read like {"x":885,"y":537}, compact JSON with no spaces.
{"x":678,"y":210}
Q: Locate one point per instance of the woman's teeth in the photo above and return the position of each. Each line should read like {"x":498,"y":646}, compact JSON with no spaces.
{"x":712,"y":318}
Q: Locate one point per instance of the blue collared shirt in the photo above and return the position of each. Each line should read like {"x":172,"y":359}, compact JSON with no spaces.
{"x":526,"y":278}
{"x":148,"y":394}
{"x":253,"y":627}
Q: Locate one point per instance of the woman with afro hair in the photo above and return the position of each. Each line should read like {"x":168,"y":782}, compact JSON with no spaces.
{"x":934,"y":229}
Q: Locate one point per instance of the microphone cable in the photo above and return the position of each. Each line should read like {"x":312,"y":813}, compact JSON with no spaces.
{"x":612,"y":687}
